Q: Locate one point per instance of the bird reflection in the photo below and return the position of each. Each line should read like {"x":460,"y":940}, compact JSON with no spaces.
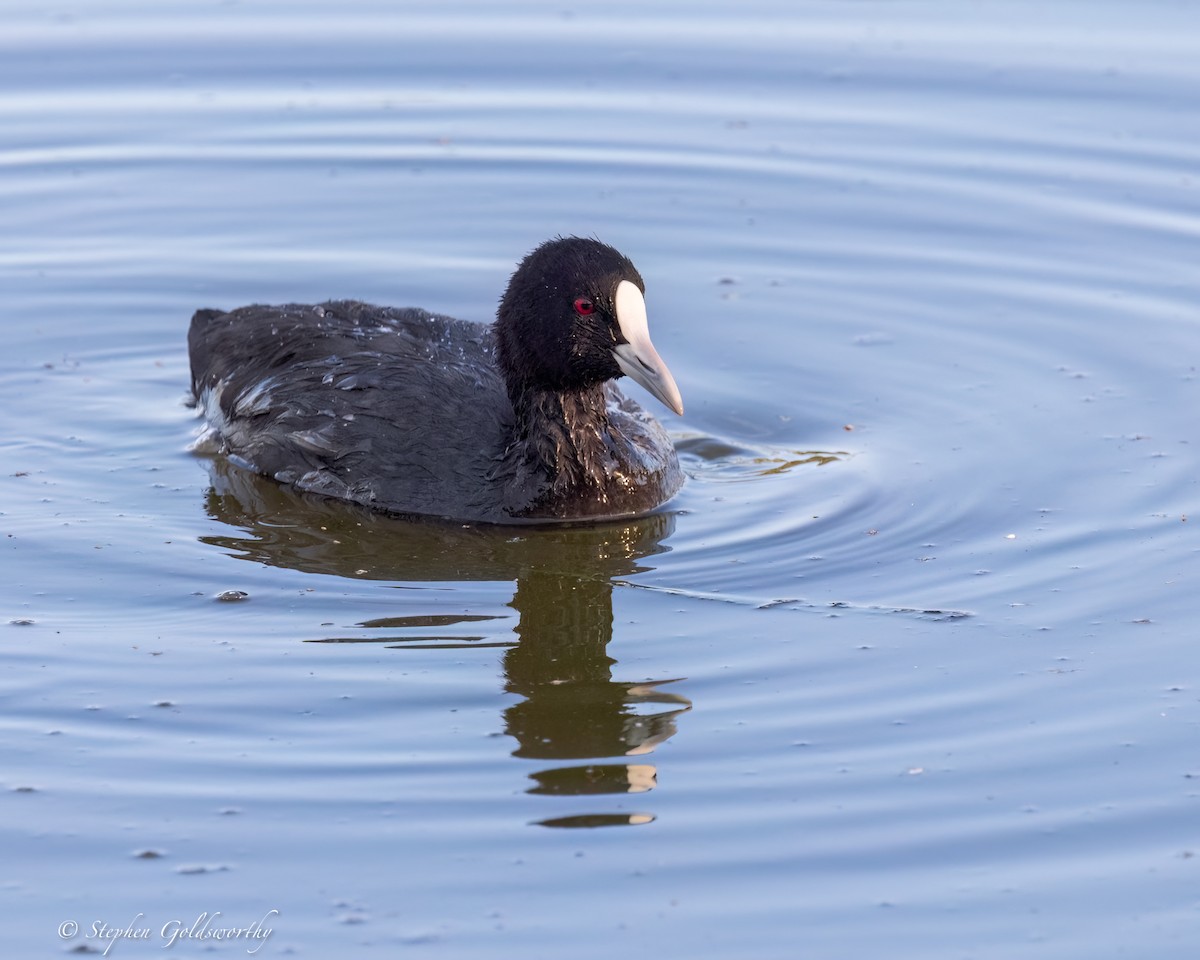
{"x":572,"y":711}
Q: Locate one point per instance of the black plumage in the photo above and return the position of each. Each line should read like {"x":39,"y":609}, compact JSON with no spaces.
{"x":412,"y":412}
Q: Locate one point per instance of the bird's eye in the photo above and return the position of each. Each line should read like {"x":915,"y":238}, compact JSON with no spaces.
{"x":584,"y":307}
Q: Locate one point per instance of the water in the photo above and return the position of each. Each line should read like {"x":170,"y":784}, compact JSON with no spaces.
{"x":906,"y":670}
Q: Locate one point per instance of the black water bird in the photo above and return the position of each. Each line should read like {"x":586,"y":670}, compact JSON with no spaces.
{"x":418,"y":413}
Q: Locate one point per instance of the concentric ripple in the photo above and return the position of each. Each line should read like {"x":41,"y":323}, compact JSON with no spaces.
{"x":905,"y":668}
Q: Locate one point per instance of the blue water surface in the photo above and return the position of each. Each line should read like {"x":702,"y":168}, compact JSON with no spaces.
{"x":908,"y":668}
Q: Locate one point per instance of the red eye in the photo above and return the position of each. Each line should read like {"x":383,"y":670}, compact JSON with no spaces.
{"x":584,"y":307}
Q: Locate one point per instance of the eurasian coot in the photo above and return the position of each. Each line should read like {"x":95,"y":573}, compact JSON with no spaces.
{"x":412,"y":412}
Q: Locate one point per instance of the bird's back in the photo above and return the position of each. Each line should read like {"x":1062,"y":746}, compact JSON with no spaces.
{"x":394,"y":408}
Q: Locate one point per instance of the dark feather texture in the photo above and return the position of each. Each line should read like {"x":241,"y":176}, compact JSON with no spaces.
{"x":416,"y":413}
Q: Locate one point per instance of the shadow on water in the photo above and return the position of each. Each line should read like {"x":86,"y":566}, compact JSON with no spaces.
{"x":572,"y":712}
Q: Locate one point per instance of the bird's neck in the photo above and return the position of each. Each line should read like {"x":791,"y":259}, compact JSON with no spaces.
{"x":563,"y":434}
